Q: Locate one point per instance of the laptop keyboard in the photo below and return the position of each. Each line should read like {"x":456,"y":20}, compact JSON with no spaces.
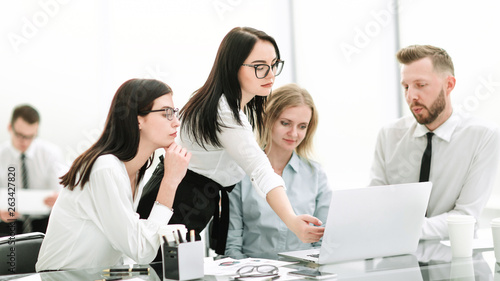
{"x":313,"y":256}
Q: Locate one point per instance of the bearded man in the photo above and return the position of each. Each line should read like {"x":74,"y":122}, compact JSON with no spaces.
{"x":457,"y":152}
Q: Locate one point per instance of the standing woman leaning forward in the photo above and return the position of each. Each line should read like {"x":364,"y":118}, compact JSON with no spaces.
{"x":94,"y":222}
{"x":217,"y":128}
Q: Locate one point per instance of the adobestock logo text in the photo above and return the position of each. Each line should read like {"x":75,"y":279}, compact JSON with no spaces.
{"x":32,"y":25}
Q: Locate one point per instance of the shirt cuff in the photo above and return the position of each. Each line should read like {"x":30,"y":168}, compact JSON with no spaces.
{"x":160,"y":214}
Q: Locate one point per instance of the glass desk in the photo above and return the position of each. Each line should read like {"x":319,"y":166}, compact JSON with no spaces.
{"x":432,"y":261}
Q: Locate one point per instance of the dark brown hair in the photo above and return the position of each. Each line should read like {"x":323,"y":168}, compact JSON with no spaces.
{"x":121,"y":133}
{"x":25,"y":112}
{"x":200,"y":114}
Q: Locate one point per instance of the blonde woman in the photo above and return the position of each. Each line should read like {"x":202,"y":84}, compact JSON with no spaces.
{"x":290,"y":123}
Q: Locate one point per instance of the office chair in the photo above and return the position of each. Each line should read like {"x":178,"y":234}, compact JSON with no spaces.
{"x":19,"y":253}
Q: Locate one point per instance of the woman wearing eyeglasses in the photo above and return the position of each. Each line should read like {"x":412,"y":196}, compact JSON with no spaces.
{"x":217,"y":128}
{"x":94,"y":221}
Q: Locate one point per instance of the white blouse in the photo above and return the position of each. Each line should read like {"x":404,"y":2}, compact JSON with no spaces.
{"x":240,"y":154}
{"x":98,"y":225}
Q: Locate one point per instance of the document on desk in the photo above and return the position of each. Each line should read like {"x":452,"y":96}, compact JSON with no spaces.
{"x":27,"y":201}
{"x":37,"y":277}
{"x":34,"y":277}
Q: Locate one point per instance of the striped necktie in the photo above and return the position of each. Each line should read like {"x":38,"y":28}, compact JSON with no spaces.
{"x":24,"y":172}
{"x":27,"y":227}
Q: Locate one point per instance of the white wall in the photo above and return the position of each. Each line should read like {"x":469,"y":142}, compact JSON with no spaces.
{"x":345,"y":58}
{"x":67,"y":58}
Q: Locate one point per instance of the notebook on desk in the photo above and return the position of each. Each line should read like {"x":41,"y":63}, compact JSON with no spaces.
{"x":371,"y":222}
{"x":25,"y":201}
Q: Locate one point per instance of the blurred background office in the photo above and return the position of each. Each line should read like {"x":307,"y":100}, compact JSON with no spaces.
{"x":69,"y":57}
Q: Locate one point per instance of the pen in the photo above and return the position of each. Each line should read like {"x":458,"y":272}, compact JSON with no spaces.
{"x":175,"y":237}
{"x":123,"y":274}
{"x":108,"y":278}
{"x":181,"y":240}
{"x":133,"y":269}
{"x":165,"y":240}
{"x":191,"y":235}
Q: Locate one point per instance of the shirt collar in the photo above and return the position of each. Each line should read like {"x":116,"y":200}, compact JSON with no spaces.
{"x":294,"y":162}
{"x":444,"y":132}
{"x":30,"y":152}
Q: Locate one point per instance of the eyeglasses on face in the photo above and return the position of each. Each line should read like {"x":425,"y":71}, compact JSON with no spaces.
{"x":169,"y":112}
{"x":23,"y":137}
{"x":262,"y":70}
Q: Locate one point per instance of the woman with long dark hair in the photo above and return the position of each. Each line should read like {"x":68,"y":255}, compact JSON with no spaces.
{"x":94,"y":222}
{"x":217,"y":128}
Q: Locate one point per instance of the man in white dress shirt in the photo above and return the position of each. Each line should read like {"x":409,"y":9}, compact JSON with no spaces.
{"x":464,"y":150}
{"x":41,"y":169}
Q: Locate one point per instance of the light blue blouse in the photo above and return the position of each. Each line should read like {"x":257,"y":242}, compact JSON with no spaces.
{"x":255,"y":228}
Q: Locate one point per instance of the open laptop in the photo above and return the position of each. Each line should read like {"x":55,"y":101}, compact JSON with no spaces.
{"x":371,"y":222}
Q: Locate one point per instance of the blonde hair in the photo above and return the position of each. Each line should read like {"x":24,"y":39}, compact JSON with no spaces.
{"x":284,"y":97}
{"x":441,"y":61}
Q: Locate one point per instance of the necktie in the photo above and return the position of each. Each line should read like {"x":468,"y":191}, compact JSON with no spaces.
{"x":425,"y":166}
{"x":24,"y":172}
{"x":27,"y":227}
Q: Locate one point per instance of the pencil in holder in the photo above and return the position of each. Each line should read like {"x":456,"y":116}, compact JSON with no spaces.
{"x":183,"y":261}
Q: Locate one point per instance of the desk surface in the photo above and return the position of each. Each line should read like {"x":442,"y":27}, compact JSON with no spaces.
{"x":432,"y":261}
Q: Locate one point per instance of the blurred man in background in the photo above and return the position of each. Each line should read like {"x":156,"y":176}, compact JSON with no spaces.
{"x":27,"y":163}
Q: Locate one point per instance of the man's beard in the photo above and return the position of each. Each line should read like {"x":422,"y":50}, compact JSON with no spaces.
{"x":436,"y":108}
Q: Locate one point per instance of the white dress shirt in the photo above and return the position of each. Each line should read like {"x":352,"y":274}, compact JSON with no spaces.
{"x":44,"y":162}
{"x":464,"y":161}
{"x":255,"y":228}
{"x":97,"y":225}
{"x":239,"y":155}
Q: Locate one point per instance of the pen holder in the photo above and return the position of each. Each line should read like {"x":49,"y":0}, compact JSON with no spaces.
{"x":183,"y":261}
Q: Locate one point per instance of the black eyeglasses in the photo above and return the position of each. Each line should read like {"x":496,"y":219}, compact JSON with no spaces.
{"x":251,"y":271}
{"x":262,"y":70}
{"x":22,"y":136}
{"x":169,"y":112}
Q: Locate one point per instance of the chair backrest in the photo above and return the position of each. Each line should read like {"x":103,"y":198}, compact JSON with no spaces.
{"x":19,"y":253}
